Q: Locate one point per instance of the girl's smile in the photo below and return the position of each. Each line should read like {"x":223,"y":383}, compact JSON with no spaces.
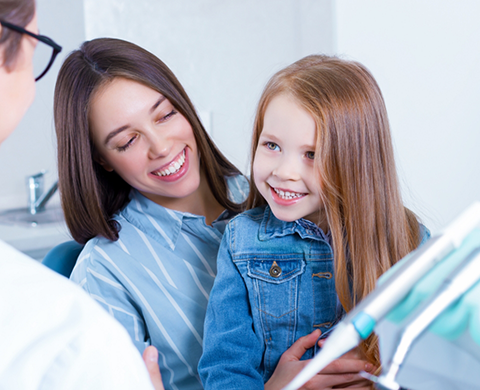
{"x":285,"y":197}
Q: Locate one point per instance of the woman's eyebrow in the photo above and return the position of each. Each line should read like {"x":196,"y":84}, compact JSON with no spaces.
{"x":159,"y":101}
{"x":115,"y":132}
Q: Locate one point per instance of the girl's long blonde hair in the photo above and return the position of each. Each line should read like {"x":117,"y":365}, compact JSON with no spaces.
{"x":354,"y":164}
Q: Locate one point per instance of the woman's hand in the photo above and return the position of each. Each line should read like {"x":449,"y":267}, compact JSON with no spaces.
{"x":340,"y":374}
{"x":150,"y":357}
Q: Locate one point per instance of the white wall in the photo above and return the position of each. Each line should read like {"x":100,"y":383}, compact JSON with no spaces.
{"x":424,"y":54}
{"x":223,"y":52}
{"x":426,"y":57}
{"x":31,"y":147}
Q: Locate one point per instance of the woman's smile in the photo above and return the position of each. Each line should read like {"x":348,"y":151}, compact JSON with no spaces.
{"x":174,"y":170}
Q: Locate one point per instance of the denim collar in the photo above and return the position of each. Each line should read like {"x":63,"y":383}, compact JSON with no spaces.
{"x":164,"y":224}
{"x":272,"y":227}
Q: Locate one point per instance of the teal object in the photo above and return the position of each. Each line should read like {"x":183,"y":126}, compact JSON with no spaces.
{"x":62,"y":258}
{"x":364,"y":324}
{"x":464,"y":314}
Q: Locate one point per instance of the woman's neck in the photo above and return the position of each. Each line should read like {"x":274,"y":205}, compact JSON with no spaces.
{"x":200,"y":202}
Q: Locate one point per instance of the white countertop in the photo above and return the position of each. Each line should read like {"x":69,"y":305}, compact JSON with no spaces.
{"x":35,"y":241}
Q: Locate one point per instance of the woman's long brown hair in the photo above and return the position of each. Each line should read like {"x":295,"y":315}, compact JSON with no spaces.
{"x":354,"y":164}
{"x":90,"y":195}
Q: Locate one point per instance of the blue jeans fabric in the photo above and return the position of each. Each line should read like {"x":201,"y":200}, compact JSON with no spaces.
{"x":274,"y":284}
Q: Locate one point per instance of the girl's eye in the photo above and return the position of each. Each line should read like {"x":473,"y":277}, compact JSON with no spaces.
{"x":310,"y":155}
{"x":272,"y":146}
{"x":169,"y":115}
{"x":127,"y":145}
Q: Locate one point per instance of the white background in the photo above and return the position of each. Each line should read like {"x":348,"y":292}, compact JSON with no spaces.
{"x":424,"y":54}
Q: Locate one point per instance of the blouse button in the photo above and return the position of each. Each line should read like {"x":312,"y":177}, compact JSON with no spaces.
{"x":275,"y":270}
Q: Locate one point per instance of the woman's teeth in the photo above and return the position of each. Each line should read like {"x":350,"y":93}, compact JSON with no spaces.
{"x":288,"y":195}
{"x":174,"y":167}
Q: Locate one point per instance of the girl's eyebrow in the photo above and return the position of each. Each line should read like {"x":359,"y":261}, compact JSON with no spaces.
{"x":275,"y":139}
{"x":120,"y":129}
{"x":266,"y":134}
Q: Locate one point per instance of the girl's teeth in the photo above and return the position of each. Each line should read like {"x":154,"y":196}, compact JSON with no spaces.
{"x":287,"y":194}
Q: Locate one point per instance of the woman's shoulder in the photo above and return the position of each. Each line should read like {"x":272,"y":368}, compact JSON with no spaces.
{"x":99,"y":255}
{"x":238,"y":188}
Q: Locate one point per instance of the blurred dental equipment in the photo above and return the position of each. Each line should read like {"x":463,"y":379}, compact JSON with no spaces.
{"x":455,"y":285}
{"x":397,"y":283}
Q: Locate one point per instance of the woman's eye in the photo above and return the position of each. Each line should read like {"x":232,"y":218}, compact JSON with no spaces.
{"x":127,"y":145}
{"x":310,"y":155}
{"x":169,"y":115}
{"x":272,"y":146}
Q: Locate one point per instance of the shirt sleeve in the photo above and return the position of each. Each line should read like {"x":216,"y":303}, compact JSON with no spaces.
{"x":55,"y":337}
{"x":232,"y":352}
{"x":100,"y":277}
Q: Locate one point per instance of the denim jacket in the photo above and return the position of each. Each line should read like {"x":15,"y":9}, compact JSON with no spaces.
{"x":274,"y":284}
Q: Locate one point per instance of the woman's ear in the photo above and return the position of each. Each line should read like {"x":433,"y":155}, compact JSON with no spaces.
{"x":99,"y":159}
{"x":105,"y":165}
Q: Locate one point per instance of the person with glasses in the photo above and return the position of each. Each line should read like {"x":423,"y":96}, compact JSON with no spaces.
{"x":52,"y":334}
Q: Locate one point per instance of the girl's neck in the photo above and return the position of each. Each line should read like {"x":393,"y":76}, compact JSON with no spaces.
{"x":319,"y":219}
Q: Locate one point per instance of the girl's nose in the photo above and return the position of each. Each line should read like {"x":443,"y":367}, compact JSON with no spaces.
{"x":287,"y":169}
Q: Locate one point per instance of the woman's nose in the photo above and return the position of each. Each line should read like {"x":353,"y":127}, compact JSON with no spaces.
{"x":159,"y":145}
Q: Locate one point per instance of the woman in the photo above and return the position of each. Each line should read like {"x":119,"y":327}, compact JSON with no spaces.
{"x":146,"y":189}
{"x":53,"y":335}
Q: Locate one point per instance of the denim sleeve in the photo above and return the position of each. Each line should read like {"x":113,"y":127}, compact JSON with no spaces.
{"x":424,"y":234}
{"x":232,"y":352}
{"x":99,"y":280}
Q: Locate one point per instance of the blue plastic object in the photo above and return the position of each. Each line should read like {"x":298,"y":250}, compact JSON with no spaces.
{"x":62,"y":258}
{"x":364,"y":324}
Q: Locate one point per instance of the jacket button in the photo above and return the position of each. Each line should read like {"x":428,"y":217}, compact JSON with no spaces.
{"x":275,"y":270}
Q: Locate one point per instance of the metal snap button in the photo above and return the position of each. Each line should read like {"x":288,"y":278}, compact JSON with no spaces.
{"x":275,"y":270}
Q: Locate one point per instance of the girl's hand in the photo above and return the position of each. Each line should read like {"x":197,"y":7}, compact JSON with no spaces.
{"x":342,"y":373}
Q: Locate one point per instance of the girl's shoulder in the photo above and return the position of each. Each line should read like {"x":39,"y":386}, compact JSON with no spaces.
{"x":423,"y":233}
{"x":249,"y":218}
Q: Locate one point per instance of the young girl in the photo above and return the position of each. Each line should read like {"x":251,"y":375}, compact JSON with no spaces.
{"x":326,"y":221}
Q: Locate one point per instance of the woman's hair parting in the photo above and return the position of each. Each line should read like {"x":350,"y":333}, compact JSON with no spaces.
{"x":355,"y":168}
{"x":90,"y":195}
{"x":20,"y":13}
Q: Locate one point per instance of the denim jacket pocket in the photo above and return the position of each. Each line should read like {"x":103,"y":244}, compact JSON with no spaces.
{"x":275,"y":282}
{"x":276,"y":285}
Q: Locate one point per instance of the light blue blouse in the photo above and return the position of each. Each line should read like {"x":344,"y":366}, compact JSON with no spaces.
{"x":156,"y":279}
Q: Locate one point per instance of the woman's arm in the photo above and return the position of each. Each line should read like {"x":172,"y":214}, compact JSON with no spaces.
{"x":100,"y":278}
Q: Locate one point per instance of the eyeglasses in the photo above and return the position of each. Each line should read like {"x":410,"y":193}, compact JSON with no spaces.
{"x":44,"y":54}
